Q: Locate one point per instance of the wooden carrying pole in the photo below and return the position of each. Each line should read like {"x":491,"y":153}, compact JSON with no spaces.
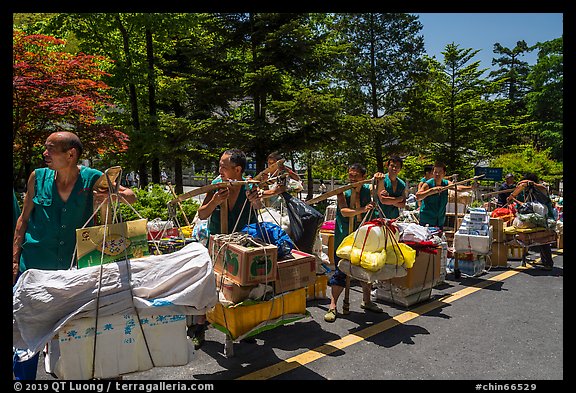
{"x":225,"y":183}
{"x":108,"y":182}
{"x":224,"y":217}
{"x":271,"y":168}
{"x":336,"y":191}
{"x":354,"y":203}
{"x":440,"y":189}
{"x":179,"y":204}
{"x":497,"y":192}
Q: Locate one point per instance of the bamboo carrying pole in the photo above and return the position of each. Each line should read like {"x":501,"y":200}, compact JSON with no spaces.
{"x":208,"y":188}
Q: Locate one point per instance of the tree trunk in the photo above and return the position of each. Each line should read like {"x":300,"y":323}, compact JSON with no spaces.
{"x":309,"y":178}
{"x":142,"y":171}
{"x":179,"y":186}
{"x":152,"y":103}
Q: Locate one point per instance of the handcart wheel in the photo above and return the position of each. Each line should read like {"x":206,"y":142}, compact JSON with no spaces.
{"x":457,"y":273}
{"x":229,"y":347}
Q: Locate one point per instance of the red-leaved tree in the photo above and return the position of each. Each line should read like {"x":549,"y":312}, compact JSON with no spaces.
{"x":54,"y":90}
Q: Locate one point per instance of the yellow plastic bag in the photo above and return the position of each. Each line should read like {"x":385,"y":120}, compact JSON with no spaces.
{"x":373,"y":237}
{"x":373,"y":261}
{"x":400,"y":254}
{"x":345,"y":248}
{"x":186,"y":231}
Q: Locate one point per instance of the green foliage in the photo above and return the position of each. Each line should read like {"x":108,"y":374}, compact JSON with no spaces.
{"x":152,"y":203}
{"x":525,"y":158}
{"x":413,"y":168}
{"x":325,"y":89}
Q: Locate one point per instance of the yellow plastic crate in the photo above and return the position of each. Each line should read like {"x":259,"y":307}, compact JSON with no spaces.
{"x":240,"y":319}
{"x":317,"y":290}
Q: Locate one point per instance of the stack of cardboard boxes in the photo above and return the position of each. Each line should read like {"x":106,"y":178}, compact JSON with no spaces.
{"x":416,"y":286}
{"x":239,"y":270}
{"x":499,"y":253}
{"x":472,"y":242}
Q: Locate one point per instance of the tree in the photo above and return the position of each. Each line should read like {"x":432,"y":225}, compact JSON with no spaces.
{"x":514,"y":73}
{"x":467,"y":121}
{"x":385,"y":52}
{"x":523,"y":159}
{"x":545,"y":102}
{"x":54,"y":90}
{"x":511,"y":77}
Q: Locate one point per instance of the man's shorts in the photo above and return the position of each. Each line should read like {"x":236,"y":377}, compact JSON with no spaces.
{"x":339,"y":277}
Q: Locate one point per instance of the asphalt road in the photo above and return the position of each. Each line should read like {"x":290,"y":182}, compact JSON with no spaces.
{"x":504,"y":326}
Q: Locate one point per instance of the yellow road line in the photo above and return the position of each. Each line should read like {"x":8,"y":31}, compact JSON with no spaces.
{"x":350,"y":339}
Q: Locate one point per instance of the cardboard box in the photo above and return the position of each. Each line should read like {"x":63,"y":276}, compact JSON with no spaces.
{"x":515,"y":252}
{"x":498,"y":226}
{"x":296,"y":271}
{"x":317,"y":290}
{"x":443,"y":264}
{"x":464,"y":197}
{"x":328,"y":240}
{"x":236,"y":321}
{"x":426,"y":270}
{"x":401,"y":296}
{"x":244,"y":265}
{"x":121,"y":347}
{"x":498,"y":256}
{"x":117,"y":242}
{"x":230,"y":290}
{"x":560,"y":241}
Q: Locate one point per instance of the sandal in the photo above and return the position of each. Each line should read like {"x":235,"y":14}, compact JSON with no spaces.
{"x":330,"y":315}
{"x":371,"y":306}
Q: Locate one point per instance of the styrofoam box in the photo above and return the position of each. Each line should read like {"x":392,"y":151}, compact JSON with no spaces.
{"x":443,"y":263}
{"x":120,"y":345}
{"x":473,"y":243}
{"x":461,"y":208}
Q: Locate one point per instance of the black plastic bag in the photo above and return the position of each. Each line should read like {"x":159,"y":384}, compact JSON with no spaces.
{"x":305,"y":222}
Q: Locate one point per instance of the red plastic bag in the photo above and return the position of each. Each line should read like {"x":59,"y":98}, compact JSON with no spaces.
{"x":506,"y":213}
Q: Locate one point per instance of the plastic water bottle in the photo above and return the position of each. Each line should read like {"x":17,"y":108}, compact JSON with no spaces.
{"x":466,"y":267}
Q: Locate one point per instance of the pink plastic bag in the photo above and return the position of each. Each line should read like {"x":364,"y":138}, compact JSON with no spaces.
{"x":328,"y":225}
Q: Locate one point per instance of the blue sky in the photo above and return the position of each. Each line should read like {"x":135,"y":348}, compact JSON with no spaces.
{"x":482,"y":30}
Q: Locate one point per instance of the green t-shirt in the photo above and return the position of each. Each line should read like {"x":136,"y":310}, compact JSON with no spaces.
{"x":240,"y":212}
{"x":389,"y":210}
{"x":433,"y":207}
{"x":50,"y":236}
{"x":342,"y":223}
